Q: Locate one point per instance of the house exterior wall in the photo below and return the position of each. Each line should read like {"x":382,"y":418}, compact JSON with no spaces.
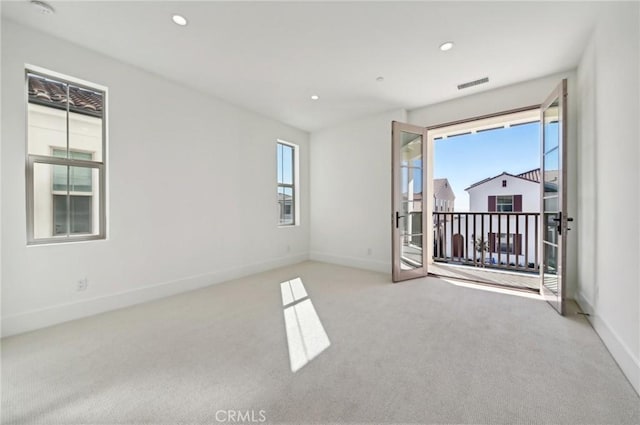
{"x":529,"y":190}
{"x":443,"y":197}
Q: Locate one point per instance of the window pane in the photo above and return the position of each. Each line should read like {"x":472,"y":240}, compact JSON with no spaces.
{"x":79,"y":210}
{"x":44,"y":215}
{"x":85,"y":121}
{"x":504,"y":203}
{"x":504,"y":241}
{"x":59,"y":215}
{"x":287,"y":165}
{"x":80,"y":214}
{"x":59,"y":210}
{"x":47,"y":118}
{"x":80,"y":179}
{"x":279,"y":166}
{"x":60,"y":177}
{"x":46,"y":115}
{"x":286,"y":206}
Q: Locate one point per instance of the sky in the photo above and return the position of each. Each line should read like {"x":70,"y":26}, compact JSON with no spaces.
{"x":469,"y":158}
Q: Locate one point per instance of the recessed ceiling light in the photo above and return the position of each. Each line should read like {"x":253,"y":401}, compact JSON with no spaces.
{"x":380,"y":79}
{"x":446,"y":46}
{"x":179,"y":20}
{"x":315,"y":97}
{"x":43,"y":7}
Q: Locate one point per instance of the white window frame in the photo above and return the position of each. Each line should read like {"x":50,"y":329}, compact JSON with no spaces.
{"x":295,"y":185}
{"x":32,"y":159}
{"x":498,"y":204}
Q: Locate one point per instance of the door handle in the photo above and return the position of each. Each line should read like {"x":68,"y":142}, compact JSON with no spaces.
{"x":558,"y":220}
{"x":398,"y":217}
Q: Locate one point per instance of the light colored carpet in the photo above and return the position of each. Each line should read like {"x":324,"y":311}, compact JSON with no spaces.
{"x":423,"y":351}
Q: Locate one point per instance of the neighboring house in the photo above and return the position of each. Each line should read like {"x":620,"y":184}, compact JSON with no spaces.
{"x":506,"y":193}
{"x":513,"y":235}
{"x":443,"y":201}
{"x":509,"y":239}
{"x":285,"y":208}
{"x":443,"y":197}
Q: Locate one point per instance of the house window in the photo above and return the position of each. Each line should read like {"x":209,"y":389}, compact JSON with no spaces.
{"x":505,"y":244}
{"x":66,"y":124}
{"x":504,"y":203}
{"x":72,"y":215}
{"x":504,"y":183}
{"x":287,"y":187}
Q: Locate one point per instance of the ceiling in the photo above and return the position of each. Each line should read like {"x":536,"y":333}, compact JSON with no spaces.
{"x":270,"y":57}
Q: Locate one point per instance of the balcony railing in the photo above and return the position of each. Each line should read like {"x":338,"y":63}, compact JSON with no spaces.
{"x":503,"y":240}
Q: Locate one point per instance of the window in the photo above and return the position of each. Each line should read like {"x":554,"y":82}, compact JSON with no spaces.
{"x":287,"y":196}
{"x":504,"y":203}
{"x":511,"y":243}
{"x":504,"y":183}
{"x":66,"y":125}
{"x":511,"y":203}
{"x":80,"y":198}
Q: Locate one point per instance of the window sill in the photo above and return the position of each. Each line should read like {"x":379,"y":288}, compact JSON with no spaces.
{"x":53,"y":242}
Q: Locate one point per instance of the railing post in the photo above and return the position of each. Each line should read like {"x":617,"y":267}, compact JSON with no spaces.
{"x":499,"y":239}
{"x":516,"y":251}
{"x":508,"y":217}
{"x":475,"y":235}
{"x":466,"y":236}
{"x":526,"y":238}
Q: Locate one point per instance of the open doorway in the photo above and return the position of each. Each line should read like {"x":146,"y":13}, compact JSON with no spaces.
{"x":486,"y":199}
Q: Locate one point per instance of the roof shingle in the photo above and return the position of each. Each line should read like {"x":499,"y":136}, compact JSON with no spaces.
{"x":54,"y":94}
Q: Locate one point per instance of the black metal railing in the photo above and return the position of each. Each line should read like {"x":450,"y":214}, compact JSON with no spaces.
{"x":503,"y":240}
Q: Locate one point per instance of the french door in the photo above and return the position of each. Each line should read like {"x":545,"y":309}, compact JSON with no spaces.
{"x":409,"y":201}
{"x":553,"y":197}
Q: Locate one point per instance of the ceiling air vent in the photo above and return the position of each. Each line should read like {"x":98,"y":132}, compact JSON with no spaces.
{"x":473,"y":83}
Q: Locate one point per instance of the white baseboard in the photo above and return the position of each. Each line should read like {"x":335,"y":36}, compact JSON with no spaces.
{"x":358,"y":263}
{"x":36,"y":319}
{"x":628,"y":362}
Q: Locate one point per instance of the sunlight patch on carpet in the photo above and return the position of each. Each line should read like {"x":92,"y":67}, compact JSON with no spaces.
{"x":306,"y":337}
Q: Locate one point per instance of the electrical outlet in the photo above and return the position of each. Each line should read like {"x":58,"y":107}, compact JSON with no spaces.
{"x":82,"y":284}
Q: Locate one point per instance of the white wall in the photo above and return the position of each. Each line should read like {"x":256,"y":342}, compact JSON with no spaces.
{"x":192,"y":192}
{"x":608,"y":86}
{"x":351,"y":193}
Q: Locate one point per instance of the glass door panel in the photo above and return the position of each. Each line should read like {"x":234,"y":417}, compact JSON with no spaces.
{"x":408,"y":220}
{"x":553,"y":197}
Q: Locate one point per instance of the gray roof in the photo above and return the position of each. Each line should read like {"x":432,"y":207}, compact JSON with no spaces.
{"x":531,"y":175}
